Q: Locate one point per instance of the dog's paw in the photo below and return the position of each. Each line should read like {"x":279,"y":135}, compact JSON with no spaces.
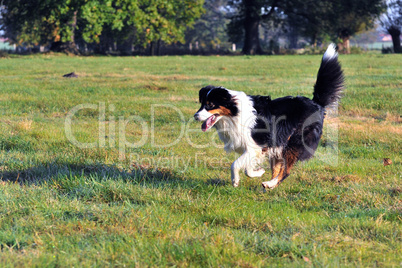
{"x":235,"y":184}
{"x":266,"y":185}
{"x":270,"y":184}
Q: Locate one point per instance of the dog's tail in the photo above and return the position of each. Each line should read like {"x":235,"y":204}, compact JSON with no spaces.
{"x":330,"y":81}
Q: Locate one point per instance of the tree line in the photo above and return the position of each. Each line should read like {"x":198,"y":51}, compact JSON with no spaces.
{"x":147,"y":25}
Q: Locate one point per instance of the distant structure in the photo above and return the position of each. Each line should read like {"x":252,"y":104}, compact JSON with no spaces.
{"x":4,"y":45}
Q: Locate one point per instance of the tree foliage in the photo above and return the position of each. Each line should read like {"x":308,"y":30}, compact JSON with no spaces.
{"x":47,"y":21}
{"x":102,"y":24}
{"x":313,"y":19}
{"x":166,"y":20}
{"x":354,"y":16}
{"x":248,"y":14}
{"x":210,"y":29}
{"x":42,"y":22}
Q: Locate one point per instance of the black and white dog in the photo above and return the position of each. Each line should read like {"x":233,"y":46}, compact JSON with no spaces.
{"x":284,"y":130}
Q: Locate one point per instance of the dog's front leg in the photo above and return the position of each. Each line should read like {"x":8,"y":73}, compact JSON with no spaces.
{"x":240,"y":164}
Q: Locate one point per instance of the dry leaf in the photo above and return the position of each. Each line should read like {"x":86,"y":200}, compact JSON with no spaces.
{"x":387,"y":162}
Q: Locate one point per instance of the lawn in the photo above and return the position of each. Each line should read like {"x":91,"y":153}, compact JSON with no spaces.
{"x":109,"y":169}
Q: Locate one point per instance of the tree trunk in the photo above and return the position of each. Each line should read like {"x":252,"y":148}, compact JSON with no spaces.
{"x":344,"y":46}
{"x":251,"y":28}
{"x":314,"y":40}
{"x":158,"y":51}
{"x":251,"y":39}
{"x":152,"y":48}
{"x":73,"y":27}
{"x":72,"y":46}
{"x":396,"y":42}
{"x":293,"y":38}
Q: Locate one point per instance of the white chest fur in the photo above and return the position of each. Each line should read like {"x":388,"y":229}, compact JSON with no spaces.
{"x":235,"y":131}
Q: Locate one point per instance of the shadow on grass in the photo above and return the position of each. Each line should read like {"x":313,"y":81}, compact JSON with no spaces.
{"x":215,"y":182}
{"x":52,"y":172}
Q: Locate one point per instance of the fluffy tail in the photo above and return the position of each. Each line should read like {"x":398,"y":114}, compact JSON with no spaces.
{"x":330,"y":81}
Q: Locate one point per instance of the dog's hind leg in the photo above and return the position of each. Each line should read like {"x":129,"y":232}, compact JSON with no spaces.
{"x":277,"y":168}
{"x":281,"y":168}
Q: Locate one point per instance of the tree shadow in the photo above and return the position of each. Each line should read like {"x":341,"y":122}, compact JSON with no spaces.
{"x":40,"y":174}
{"x":216,"y":182}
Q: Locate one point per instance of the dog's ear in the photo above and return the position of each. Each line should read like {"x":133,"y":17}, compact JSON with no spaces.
{"x":222,"y":93}
{"x":204,"y":91}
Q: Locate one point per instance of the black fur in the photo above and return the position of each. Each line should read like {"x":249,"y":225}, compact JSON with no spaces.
{"x":203,"y":93}
{"x":285,"y":122}
{"x":295,"y":123}
{"x":329,"y":84}
{"x":217,"y":96}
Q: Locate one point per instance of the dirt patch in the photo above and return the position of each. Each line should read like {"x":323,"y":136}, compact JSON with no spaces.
{"x":155,"y":87}
{"x":345,"y":178}
{"x":394,"y":191}
{"x":371,"y":125}
{"x":364,"y":116}
{"x":24,"y":125}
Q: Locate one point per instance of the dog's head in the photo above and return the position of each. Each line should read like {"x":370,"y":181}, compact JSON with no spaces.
{"x":216,"y":103}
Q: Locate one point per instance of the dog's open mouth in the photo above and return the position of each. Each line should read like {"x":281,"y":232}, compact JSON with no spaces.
{"x":209,"y":122}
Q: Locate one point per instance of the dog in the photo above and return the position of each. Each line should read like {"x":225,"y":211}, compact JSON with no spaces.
{"x":284,"y":130}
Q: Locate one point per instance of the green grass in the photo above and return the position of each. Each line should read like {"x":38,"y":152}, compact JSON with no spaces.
{"x":157,"y":205}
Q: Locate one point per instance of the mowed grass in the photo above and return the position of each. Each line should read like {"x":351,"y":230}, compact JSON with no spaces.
{"x":151,"y":189}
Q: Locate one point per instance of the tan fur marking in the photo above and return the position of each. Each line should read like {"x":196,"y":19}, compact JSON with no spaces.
{"x":290,"y":160}
{"x":225,"y":111}
{"x":221,"y":111}
{"x":277,"y":167}
{"x":281,"y":167}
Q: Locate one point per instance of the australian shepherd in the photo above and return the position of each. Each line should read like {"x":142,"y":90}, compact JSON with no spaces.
{"x":284,"y":130}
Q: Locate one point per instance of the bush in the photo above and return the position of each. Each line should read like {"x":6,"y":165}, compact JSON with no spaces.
{"x":356,"y":50}
{"x":3,"y":54}
{"x":309,"y":50}
{"x":386,"y":50}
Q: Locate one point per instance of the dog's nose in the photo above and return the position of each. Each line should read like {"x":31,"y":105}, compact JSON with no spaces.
{"x":196,"y":116}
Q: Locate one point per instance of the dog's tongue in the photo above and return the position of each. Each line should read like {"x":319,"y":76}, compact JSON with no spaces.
{"x":208,"y":123}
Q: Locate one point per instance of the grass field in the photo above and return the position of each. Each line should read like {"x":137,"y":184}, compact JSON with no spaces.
{"x":150,"y":189}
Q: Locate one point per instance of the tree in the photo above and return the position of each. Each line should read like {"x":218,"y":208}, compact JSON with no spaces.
{"x":391,"y":21}
{"x":249,"y":15}
{"x":60,"y":22}
{"x":333,"y":19}
{"x":210,"y":29}
{"x":165,"y":20}
{"x":52,"y":22}
{"x":149,"y":22}
{"x":309,"y":18}
{"x":314,"y":19}
{"x":351,"y":17}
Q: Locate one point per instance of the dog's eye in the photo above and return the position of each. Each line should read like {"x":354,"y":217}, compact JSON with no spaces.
{"x":209,"y":106}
